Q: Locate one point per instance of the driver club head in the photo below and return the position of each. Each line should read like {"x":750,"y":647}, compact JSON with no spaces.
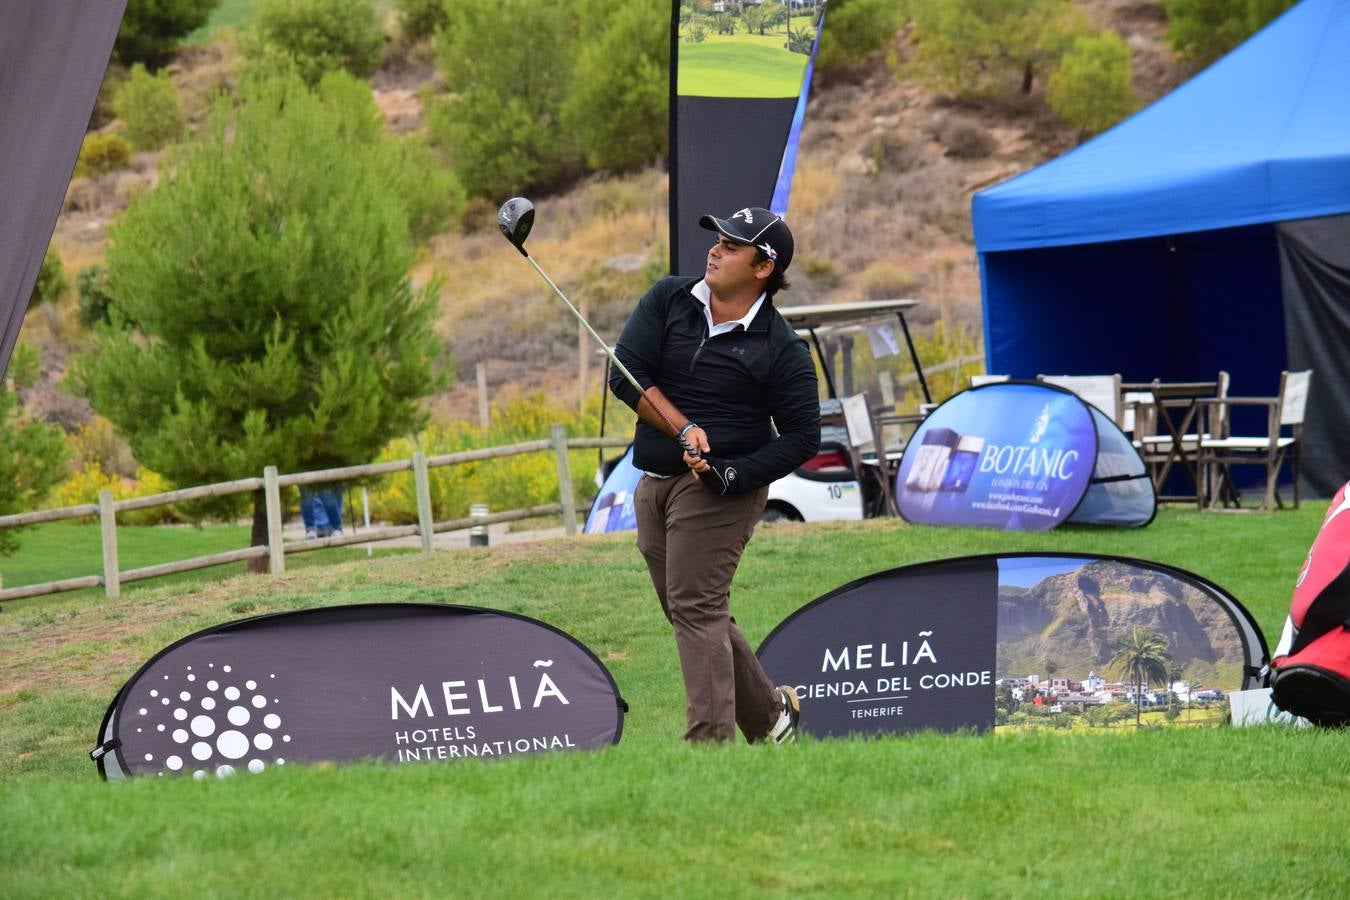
{"x":515,"y":219}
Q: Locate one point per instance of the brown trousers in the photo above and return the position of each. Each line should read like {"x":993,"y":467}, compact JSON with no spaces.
{"x":692,"y":541}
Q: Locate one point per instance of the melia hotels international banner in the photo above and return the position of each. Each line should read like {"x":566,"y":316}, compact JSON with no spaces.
{"x":399,"y":682}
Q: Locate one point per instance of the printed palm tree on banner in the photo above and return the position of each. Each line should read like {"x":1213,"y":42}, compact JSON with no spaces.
{"x":1144,"y":659}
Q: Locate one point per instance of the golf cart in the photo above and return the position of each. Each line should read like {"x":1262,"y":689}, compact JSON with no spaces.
{"x":842,"y":481}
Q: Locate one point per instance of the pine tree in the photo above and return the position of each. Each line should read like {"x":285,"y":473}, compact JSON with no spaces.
{"x":267,"y":275}
{"x":32,"y":454}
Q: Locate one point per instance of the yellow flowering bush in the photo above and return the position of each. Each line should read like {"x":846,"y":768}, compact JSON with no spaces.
{"x":513,"y":482}
{"x":83,"y":487}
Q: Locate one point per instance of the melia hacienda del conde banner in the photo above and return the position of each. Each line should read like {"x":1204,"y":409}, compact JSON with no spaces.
{"x":1022,"y":456}
{"x":1012,"y":639}
{"x":398,"y":682}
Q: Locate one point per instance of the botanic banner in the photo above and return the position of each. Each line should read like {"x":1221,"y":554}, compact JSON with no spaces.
{"x":1015,"y":640}
{"x":1022,"y":456}
{"x":613,"y":506}
{"x":400,"y":682}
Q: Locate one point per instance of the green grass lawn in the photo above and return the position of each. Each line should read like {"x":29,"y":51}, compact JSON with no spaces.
{"x":61,"y":550}
{"x":1192,"y":811}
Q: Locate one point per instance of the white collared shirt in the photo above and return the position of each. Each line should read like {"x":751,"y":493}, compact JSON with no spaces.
{"x":704,"y":295}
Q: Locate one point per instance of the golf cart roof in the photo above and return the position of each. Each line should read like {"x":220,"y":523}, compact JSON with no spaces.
{"x":842,"y":313}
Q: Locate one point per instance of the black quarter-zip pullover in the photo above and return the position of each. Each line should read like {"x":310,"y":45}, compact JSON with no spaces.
{"x":730,"y":384}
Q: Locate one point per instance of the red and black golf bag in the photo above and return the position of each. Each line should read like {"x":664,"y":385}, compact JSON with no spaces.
{"x":1310,"y":674}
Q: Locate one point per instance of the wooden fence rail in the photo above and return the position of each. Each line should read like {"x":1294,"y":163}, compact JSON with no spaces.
{"x":271,"y":483}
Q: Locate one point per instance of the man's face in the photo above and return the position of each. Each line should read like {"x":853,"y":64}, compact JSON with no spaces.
{"x":732,"y":269}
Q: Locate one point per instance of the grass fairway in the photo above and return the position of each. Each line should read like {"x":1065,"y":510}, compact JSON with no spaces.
{"x":1198,"y":811}
{"x":743,"y":66}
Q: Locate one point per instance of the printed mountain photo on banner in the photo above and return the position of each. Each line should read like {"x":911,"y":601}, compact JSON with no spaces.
{"x":1078,"y":636}
{"x":743,"y":48}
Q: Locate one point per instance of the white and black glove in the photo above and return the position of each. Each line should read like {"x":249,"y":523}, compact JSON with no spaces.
{"x":685,"y":444}
{"x":721,"y":477}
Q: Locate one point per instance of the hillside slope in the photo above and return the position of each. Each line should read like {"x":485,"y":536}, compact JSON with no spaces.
{"x":880,"y":206}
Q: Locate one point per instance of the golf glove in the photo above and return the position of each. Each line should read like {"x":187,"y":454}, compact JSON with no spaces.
{"x":721,"y":477}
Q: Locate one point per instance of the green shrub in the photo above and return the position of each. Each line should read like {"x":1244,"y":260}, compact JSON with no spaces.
{"x":95,"y":300}
{"x":51,"y":281}
{"x":1091,"y":88}
{"x":617,"y":105}
{"x":317,"y":36}
{"x":151,"y":30}
{"x":855,"y":28}
{"x":33,"y":454}
{"x":149,"y":109}
{"x":501,"y":127}
{"x":420,"y":18}
{"x":103,"y":152}
{"x":990,"y":47}
{"x":1200,"y":31}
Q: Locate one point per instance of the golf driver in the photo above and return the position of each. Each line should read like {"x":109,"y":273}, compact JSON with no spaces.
{"x":515,"y":219}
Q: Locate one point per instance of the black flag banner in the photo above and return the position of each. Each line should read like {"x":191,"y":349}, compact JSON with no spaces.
{"x":739,"y":81}
{"x":1015,"y":639}
{"x":52,"y":57}
{"x":398,"y":682}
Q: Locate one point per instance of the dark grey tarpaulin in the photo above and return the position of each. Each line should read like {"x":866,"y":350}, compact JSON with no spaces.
{"x":53,"y":54}
{"x":724,"y":156}
{"x":1315,"y":283}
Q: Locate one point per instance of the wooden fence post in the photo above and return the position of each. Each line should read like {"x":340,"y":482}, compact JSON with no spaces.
{"x":272,"y":494}
{"x":107,"y":520}
{"x":481,"y":376}
{"x":422,"y":484}
{"x":569,"y":506}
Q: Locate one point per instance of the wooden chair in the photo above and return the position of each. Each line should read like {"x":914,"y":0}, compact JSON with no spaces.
{"x":1102,"y":391}
{"x":1219,"y":454}
{"x":1214,"y":424}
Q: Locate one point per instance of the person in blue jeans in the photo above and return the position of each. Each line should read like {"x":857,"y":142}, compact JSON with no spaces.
{"x":321,"y":510}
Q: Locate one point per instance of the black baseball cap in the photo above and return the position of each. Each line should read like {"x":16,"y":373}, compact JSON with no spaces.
{"x":758,"y":227}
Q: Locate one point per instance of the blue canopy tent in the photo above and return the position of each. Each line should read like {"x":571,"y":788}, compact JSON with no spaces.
{"x":1155,"y":249}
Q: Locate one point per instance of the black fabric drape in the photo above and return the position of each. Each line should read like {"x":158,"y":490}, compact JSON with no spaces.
{"x":1315,"y":283}
{"x":725,"y":156}
{"x":53,"y":54}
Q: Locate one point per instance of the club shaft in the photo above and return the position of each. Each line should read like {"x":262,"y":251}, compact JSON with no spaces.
{"x":587,"y":325}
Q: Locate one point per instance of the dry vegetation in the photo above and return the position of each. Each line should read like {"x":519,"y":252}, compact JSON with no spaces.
{"x":880,"y":206}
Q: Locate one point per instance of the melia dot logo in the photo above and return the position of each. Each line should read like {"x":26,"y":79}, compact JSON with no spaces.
{"x":217,"y":722}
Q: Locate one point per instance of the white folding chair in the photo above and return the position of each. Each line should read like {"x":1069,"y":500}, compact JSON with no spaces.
{"x":1102,"y":391}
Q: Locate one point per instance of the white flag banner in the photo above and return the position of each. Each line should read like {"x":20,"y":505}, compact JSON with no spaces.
{"x":882,"y":338}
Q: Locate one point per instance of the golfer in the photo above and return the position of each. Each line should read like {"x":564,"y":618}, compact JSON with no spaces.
{"x":734,"y":381}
